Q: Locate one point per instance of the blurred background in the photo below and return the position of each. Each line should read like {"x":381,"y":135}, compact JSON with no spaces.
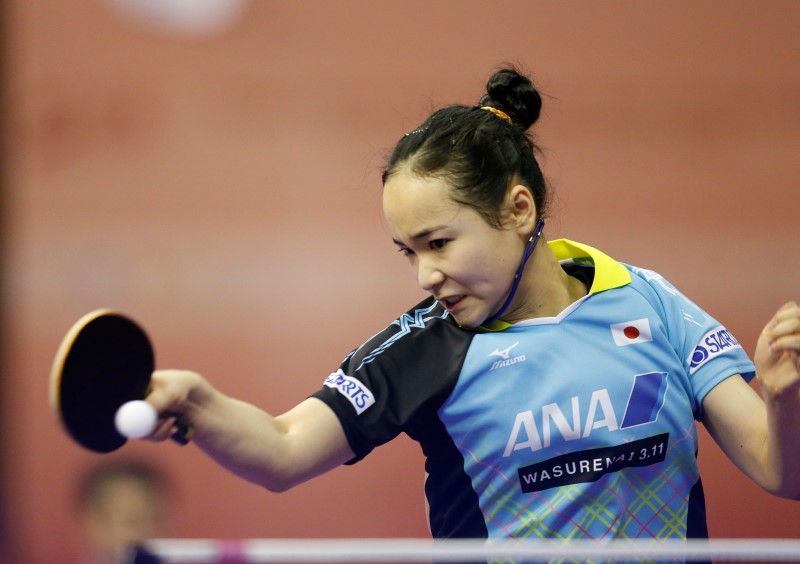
{"x":211,"y":168}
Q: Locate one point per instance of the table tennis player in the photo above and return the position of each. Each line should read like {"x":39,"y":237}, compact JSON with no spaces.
{"x":554,"y":390}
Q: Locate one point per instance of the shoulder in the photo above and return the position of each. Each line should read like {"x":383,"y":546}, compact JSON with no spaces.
{"x":661,"y":293}
{"x":416,"y":331}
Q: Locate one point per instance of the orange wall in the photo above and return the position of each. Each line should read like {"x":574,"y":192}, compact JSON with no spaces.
{"x":223,"y":189}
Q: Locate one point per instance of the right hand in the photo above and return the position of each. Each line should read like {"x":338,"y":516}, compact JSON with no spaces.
{"x":177,"y":394}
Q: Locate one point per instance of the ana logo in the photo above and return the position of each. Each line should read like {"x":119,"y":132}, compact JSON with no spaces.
{"x":354,"y":390}
{"x":505,"y":355}
{"x":581,"y":416}
{"x":631,"y":332}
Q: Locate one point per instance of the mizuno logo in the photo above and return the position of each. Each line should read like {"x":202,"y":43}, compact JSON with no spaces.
{"x":505,"y":357}
{"x":505,"y":353}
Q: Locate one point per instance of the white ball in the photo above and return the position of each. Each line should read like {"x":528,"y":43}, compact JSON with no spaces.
{"x":136,"y":419}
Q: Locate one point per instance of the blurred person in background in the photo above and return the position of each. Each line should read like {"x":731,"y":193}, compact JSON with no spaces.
{"x":120,"y":504}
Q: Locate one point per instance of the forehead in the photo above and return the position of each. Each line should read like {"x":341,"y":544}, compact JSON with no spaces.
{"x":120,"y":485}
{"x":411,"y":199}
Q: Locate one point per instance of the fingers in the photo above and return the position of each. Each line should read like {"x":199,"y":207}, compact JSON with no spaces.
{"x":777,"y":355}
{"x":167,"y":392}
{"x":165,"y":429}
{"x":170,"y":393}
{"x":783,"y":331}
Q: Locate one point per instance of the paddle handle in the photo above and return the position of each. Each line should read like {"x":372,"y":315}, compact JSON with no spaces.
{"x":183,"y":432}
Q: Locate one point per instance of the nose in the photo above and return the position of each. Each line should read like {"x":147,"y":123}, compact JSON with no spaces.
{"x":429,"y":276}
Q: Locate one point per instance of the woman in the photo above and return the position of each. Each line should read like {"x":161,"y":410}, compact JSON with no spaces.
{"x":553,"y":390}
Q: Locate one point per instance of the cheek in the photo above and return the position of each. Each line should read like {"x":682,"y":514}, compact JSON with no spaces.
{"x":487,"y":264}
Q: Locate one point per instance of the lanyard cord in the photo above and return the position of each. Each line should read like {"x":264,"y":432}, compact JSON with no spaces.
{"x":529,"y":247}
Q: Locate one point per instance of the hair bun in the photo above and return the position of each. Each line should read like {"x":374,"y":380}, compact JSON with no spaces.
{"x":514,"y":93}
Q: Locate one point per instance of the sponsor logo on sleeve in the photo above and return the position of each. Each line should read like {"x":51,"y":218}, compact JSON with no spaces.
{"x":712,"y":344}
{"x":631,"y":332}
{"x":354,"y":390}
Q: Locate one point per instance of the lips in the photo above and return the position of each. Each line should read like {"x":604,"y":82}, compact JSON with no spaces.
{"x":451,"y":302}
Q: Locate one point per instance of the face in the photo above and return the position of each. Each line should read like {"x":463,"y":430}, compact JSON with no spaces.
{"x":125,"y":511}
{"x":464,"y":262}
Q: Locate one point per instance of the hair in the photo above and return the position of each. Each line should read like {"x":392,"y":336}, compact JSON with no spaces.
{"x":480,"y":152}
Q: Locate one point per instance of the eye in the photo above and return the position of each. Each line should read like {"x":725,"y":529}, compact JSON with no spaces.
{"x":438,"y":244}
{"x":405,"y":251}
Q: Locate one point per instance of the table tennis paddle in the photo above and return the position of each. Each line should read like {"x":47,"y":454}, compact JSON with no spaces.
{"x":104,"y":361}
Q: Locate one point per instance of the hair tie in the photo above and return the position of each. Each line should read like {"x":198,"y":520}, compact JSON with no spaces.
{"x":498,"y":113}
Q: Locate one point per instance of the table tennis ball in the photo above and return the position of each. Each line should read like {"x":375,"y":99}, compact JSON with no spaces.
{"x":136,"y":419}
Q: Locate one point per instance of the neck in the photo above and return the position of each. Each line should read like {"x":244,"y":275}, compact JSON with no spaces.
{"x":546,"y":289}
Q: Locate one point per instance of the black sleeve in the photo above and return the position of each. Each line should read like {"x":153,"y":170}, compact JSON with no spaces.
{"x":398,"y":378}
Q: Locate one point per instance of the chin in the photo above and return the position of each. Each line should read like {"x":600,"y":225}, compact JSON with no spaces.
{"x":468,"y":316}
{"x":466,"y":323}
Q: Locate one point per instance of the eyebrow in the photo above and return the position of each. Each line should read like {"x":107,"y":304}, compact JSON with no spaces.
{"x":420,"y":235}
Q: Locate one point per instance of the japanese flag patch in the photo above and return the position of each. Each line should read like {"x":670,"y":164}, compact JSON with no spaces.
{"x":631,"y":332}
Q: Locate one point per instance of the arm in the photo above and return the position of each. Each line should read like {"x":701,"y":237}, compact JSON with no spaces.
{"x":759,"y":434}
{"x":274,"y":452}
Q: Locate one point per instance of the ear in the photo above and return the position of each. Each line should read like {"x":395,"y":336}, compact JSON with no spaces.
{"x":522,"y":208}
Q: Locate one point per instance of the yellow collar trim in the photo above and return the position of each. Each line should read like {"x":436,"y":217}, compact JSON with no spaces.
{"x":608,"y":273}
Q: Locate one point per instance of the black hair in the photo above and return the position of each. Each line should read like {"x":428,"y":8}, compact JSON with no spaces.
{"x":480,"y":152}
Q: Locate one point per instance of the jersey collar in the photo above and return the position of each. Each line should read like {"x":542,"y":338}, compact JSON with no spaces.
{"x":608,"y":273}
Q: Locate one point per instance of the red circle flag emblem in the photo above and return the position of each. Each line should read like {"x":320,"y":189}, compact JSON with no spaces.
{"x":631,"y":332}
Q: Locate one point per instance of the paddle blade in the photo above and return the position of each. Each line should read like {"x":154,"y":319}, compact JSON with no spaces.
{"x":105,"y":360}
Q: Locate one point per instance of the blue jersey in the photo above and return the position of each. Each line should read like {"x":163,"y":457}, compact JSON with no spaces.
{"x":575,"y":426}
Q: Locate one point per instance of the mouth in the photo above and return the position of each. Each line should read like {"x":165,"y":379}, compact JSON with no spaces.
{"x":451,"y":302}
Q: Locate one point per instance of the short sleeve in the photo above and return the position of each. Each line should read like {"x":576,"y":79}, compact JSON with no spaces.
{"x":397,"y":378}
{"x":708,"y":350}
